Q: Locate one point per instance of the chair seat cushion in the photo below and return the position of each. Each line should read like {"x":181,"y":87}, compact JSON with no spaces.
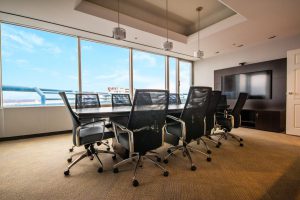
{"x":93,"y":134}
{"x":174,"y":128}
{"x":144,"y":141}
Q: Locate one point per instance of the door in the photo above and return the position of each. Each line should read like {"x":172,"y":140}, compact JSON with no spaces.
{"x":293,"y":93}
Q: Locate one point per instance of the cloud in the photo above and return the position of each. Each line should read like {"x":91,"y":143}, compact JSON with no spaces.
{"x":21,"y":61}
{"x":144,"y":81}
{"x":27,"y":41}
{"x":72,"y":77}
{"x":87,"y":47}
{"x":149,"y":59}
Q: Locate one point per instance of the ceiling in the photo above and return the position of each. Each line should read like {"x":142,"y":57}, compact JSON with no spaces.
{"x":251,"y":24}
{"x":182,"y":16}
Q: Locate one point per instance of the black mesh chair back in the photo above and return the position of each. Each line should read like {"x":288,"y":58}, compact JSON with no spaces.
{"x":174,"y":98}
{"x":212,"y":109}
{"x":149,"y":109}
{"x":74,"y":117}
{"x":143,"y":99}
{"x":238,"y":108}
{"x":222,"y":105}
{"x":194,"y":111}
{"x":87,"y":101}
{"x":120,"y":100}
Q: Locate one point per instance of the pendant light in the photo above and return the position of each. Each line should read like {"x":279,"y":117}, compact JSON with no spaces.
{"x":118,"y":32}
{"x":199,"y":53}
{"x":167,"y":45}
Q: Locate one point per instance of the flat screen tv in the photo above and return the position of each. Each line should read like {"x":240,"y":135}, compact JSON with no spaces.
{"x":258,"y":85}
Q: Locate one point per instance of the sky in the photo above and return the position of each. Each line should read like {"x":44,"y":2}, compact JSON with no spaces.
{"x":34,"y":58}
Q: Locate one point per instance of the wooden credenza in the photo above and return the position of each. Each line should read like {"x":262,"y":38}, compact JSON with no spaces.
{"x":267,"y":120}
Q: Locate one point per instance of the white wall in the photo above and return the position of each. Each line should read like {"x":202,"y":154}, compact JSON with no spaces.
{"x":33,"y":120}
{"x":271,"y":50}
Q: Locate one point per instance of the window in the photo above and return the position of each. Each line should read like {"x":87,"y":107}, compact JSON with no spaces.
{"x":105,"y":69}
{"x":185,"y":78}
{"x":172,"y":75}
{"x":148,"y":70}
{"x":36,"y":65}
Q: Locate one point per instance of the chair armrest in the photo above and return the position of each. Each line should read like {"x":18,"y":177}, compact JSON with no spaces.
{"x":182,"y":123}
{"x":130,"y":135}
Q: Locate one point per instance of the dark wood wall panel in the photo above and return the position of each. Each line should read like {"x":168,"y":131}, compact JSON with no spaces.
{"x":278,"y":68}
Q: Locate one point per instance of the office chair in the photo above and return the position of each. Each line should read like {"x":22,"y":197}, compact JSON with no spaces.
{"x":120,"y":100}
{"x":231,"y":118}
{"x":142,"y":132}
{"x":174,"y":98}
{"x":87,"y":136}
{"x":190,"y":126}
{"x":89,"y":100}
{"x":211,"y":117}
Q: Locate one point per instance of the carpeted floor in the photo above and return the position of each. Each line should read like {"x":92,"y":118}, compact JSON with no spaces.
{"x":266,"y":168}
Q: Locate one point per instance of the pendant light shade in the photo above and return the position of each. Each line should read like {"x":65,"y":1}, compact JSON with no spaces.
{"x":118,"y":32}
{"x":167,"y":45}
{"x":199,"y":53}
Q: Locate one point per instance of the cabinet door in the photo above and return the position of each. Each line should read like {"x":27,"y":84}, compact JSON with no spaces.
{"x":268,"y":121}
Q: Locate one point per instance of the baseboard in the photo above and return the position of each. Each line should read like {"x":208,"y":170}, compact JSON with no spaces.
{"x":34,"y":135}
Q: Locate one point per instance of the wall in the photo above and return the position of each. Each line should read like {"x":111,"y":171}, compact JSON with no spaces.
{"x":33,"y":120}
{"x":270,"y":50}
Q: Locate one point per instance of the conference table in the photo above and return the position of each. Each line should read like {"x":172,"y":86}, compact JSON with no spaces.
{"x":103,"y":112}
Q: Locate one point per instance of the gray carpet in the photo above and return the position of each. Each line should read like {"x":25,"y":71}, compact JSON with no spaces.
{"x":266,"y":168}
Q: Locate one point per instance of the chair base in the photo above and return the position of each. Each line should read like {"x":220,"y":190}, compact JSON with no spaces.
{"x":212,"y":140}
{"x":89,"y":152}
{"x":139,"y":159}
{"x":185,"y":151}
{"x":224,"y":134}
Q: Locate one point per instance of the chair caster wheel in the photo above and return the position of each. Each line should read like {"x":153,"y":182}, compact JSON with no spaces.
{"x":91,"y":158}
{"x":100,"y":170}
{"x":166,"y":173}
{"x":69,"y":160}
{"x":169,"y":151}
{"x":135,"y":183}
{"x":241,"y":144}
{"x":108,"y":149}
{"x":209,"y":137}
{"x":71,"y":150}
{"x":66,"y":172}
{"x":241,"y":140}
{"x":158,"y":159}
{"x":208,"y":159}
{"x":193,"y":167}
{"x":98,"y":143}
{"x":165,"y":161}
{"x":208,"y":151}
{"x":115,"y":170}
{"x":114,"y":157}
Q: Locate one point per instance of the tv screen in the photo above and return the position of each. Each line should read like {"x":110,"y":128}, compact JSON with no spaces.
{"x":258,"y":85}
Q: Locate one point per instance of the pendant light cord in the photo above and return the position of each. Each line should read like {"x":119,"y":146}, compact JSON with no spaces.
{"x":198,"y":29}
{"x":167,"y":20}
{"x":118,"y":13}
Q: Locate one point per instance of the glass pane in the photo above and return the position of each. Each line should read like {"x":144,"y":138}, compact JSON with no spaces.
{"x":185,"y":79}
{"x":105,"y":69}
{"x":172,"y":75}
{"x":148,"y":70}
{"x":36,"y":65}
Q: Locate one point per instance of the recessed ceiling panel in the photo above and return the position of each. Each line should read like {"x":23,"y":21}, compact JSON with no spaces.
{"x":183,"y":17}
